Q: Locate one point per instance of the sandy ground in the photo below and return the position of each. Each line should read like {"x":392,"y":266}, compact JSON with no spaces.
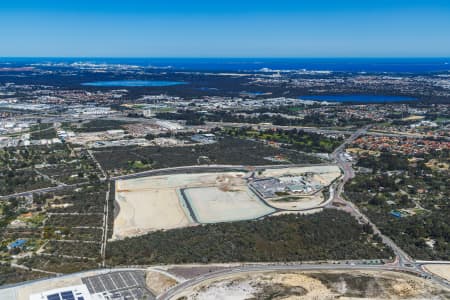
{"x":158,"y":282}
{"x":302,"y":203}
{"x":153,"y":203}
{"x":213,"y":205}
{"x":440,"y":270}
{"x":317,"y":285}
{"x":142,"y":211}
{"x":226,"y":291}
{"x":181,"y":180}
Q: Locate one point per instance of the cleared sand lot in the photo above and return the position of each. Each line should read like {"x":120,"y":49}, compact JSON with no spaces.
{"x":173,"y":201}
{"x":147,"y":204}
{"x":144,"y":211}
{"x":441,"y":270}
{"x":154,"y":203}
{"x":213,"y":205}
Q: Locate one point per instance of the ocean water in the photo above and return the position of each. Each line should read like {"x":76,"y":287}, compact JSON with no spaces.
{"x":132,"y":83}
{"x":369,"y":65}
{"x":358,"y":98}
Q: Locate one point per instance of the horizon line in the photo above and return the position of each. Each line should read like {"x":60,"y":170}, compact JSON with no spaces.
{"x":239,"y":57}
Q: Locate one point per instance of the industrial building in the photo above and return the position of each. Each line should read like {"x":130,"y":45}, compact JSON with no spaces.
{"x":119,"y":285}
{"x":274,"y":187}
{"x":78,"y":292}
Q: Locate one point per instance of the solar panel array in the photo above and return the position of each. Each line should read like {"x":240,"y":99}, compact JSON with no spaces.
{"x":53,"y":297}
{"x":66,"y":295}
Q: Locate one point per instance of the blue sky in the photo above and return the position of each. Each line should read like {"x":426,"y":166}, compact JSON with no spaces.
{"x":190,"y":28}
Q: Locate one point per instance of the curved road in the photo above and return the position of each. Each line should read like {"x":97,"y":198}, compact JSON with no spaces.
{"x":403,"y":262}
{"x":177,"y":290}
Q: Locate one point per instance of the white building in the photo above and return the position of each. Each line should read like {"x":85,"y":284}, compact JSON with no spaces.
{"x":147,"y":113}
{"x":77,"y":292}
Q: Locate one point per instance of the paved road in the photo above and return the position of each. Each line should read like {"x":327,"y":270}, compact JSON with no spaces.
{"x":402,"y":263}
{"x":43,"y":190}
{"x":346,"y":166}
{"x":178,"y":289}
{"x":403,"y":260}
{"x":217,"y":168}
{"x":105,"y":226}
{"x":99,"y":166}
{"x":325,"y":131}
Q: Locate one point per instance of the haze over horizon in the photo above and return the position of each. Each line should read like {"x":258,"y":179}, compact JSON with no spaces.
{"x":233,"y":29}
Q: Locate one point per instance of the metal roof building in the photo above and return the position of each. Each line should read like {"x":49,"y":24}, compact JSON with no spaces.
{"x":78,"y":292}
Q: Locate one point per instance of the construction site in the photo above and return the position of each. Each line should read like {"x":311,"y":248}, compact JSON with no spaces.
{"x":153,"y":203}
{"x":342,"y":284}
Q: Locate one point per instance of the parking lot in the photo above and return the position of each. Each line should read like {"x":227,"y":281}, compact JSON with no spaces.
{"x":119,"y":285}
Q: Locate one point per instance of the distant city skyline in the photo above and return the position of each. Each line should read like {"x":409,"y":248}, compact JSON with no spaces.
{"x":136,"y":28}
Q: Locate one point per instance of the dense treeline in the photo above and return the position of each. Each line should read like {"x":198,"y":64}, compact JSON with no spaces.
{"x":330,"y":234}
{"x":419,"y":193}
{"x":10,"y":275}
{"x":315,"y":119}
{"x":411,"y":233}
{"x":75,"y":249}
{"x":43,"y":131}
{"x":293,"y":139}
{"x":58,"y":264}
{"x":89,"y":199}
{"x":386,"y":162}
{"x":75,"y":220}
{"x":99,"y":125}
{"x":25,"y":157}
{"x":22,"y":168}
{"x":228,"y":150}
{"x":21,"y":180}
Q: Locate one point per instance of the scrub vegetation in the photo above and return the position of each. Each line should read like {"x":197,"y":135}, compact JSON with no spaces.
{"x":328,"y":235}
